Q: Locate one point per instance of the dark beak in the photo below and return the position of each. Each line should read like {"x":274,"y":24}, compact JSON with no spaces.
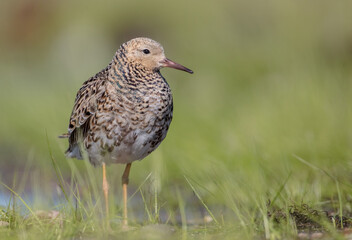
{"x":168,"y":63}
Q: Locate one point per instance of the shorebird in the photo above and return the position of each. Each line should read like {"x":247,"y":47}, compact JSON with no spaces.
{"x":123,"y":113}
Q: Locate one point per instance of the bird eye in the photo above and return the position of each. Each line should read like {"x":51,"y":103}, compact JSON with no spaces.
{"x":146,"y":51}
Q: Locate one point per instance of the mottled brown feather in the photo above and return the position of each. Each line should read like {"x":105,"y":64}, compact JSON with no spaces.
{"x":122,"y":113}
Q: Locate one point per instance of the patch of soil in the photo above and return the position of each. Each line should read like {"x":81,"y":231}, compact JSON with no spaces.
{"x":309,"y":219}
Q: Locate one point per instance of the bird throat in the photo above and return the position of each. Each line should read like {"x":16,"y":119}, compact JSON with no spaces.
{"x":127,"y":73}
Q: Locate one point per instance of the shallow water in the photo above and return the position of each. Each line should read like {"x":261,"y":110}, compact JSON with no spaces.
{"x":4,"y":199}
{"x":195,"y":214}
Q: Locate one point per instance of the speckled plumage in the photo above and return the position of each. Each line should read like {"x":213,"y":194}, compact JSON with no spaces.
{"x":123,"y":113}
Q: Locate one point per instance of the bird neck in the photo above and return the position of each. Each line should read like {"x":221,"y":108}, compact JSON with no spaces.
{"x":125,"y":72}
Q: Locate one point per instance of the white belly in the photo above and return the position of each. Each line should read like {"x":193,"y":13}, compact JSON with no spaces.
{"x":135,"y":146}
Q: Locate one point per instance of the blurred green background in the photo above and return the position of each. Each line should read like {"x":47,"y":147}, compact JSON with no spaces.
{"x":273,"y":79}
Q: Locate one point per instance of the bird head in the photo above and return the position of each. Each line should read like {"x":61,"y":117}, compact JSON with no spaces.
{"x":149,"y":54}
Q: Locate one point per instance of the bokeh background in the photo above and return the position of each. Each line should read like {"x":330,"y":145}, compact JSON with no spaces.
{"x":272,"y":81}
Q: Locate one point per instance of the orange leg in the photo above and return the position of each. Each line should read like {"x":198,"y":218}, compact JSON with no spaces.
{"x":125,"y":175}
{"x":106,"y":193}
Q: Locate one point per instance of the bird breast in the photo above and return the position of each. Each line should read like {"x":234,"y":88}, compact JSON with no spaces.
{"x":129,"y":123}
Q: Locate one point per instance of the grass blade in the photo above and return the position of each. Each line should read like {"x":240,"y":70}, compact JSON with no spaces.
{"x":24,"y":202}
{"x":57,"y":172}
{"x":280,"y":189}
{"x":201,"y":200}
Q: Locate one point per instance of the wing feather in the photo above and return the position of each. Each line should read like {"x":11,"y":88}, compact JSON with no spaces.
{"x":84,"y":109}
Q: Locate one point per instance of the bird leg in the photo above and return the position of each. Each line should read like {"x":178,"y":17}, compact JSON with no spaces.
{"x":125,"y":175}
{"x":106,"y":193}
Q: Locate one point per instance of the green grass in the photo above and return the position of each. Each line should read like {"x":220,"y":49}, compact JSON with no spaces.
{"x":260,"y":144}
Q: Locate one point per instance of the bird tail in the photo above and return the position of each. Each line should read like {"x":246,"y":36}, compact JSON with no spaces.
{"x":74,"y":151}
{"x":64,"y":135}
